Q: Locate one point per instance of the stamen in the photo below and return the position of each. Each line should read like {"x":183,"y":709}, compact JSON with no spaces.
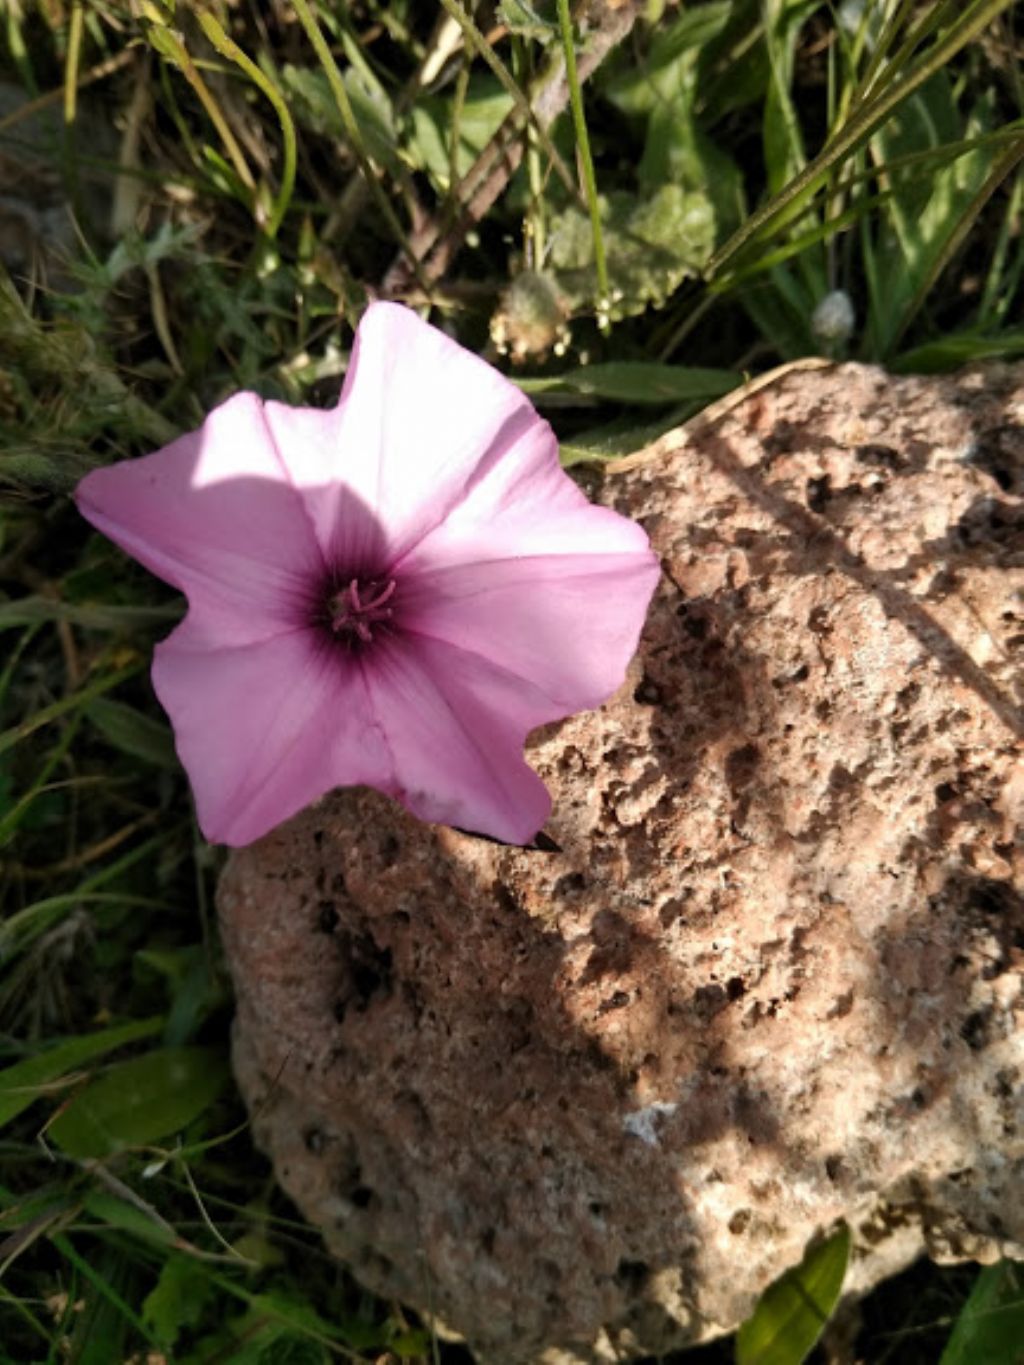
{"x":382,"y":597}
{"x":353,"y":611}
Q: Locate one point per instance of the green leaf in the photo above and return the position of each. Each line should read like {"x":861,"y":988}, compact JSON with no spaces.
{"x":29,"y":611}
{"x":526,"y":21}
{"x":178,"y":1300}
{"x":637,"y":381}
{"x":949,"y":353}
{"x":678,"y":152}
{"x":929,"y":201}
{"x":411,"y":1344}
{"x":16,"y":733}
{"x":19,"y":1084}
{"x":428,"y":145}
{"x":44,"y":465}
{"x":315,"y":106}
{"x":734,"y":70}
{"x":127,"y":1217}
{"x":782,"y":307}
{"x":140,"y":1101}
{"x":990,"y":1327}
{"x":669,"y":65}
{"x":133,"y":733}
{"x":652,"y":244}
{"x":865,"y":118}
{"x":195,"y":989}
{"x":793,"y":1311}
{"x":612,"y":440}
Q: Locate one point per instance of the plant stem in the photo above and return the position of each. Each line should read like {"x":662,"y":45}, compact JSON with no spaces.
{"x":348,"y":119}
{"x":72,"y":62}
{"x":586,"y":162}
{"x":476,"y":40}
{"x":169,"y":45}
{"x":230,"y":49}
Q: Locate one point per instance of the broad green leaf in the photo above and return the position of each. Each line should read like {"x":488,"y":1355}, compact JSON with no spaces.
{"x":428,"y":143}
{"x":678,"y":152}
{"x":733,"y":71}
{"x":140,"y":1101}
{"x":652,"y":244}
{"x":133,"y":733}
{"x":669,"y":64}
{"x":793,"y":1311}
{"x":314,"y":105}
{"x":179,"y":1298}
{"x":20,"y":1083}
{"x":637,"y":381}
{"x":990,"y":1328}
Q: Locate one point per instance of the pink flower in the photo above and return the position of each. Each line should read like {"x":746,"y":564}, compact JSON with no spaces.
{"x":390,"y":593}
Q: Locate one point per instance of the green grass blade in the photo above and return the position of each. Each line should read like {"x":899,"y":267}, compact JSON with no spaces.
{"x":783,"y":207}
{"x":133,"y":732}
{"x":36,"y":610}
{"x":476,"y":40}
{"x":319,"y":44}
{"x":793,"y":1311}
{"x":957,"y":235}
{"x":990,"y":1327}
{"x":9,"y":738}
{"x":20,"y":1084}
{"x":103,"y":1287}
{"x":234,"y":53}
{"x":586,"y":160}
{"x":962,"y":348}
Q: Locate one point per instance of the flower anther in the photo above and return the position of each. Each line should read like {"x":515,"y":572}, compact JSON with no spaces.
{"x":356,"y":610}
{"x":393,"y":592}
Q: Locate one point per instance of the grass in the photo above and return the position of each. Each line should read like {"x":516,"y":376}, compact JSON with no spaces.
{"x":205,"y":197}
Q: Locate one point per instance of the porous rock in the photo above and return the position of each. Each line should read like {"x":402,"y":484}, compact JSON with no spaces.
{"x":596,"y":1099}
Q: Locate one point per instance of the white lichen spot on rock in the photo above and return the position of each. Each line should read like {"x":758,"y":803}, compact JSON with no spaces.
{"x":643,"y":1123}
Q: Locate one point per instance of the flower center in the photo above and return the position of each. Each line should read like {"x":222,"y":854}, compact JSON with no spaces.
{"x":356,"y":610}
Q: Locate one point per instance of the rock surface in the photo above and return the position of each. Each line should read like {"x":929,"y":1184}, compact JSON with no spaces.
{"x":597,"y":1099}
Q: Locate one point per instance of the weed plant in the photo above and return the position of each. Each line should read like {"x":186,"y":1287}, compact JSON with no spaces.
{"x":200,"y":197}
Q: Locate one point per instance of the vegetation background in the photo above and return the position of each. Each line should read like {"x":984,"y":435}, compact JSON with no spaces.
{"x":200,"y":197}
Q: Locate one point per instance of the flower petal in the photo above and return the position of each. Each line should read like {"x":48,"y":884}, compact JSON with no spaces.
{"x":522,"y":506}
{"x":420,"y":419}
{"x":529,"y":574}
{"x":214,"y":514}
{"x":455,"y":727}
{"x":566,"y":624}
{"x":263,"y":729}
